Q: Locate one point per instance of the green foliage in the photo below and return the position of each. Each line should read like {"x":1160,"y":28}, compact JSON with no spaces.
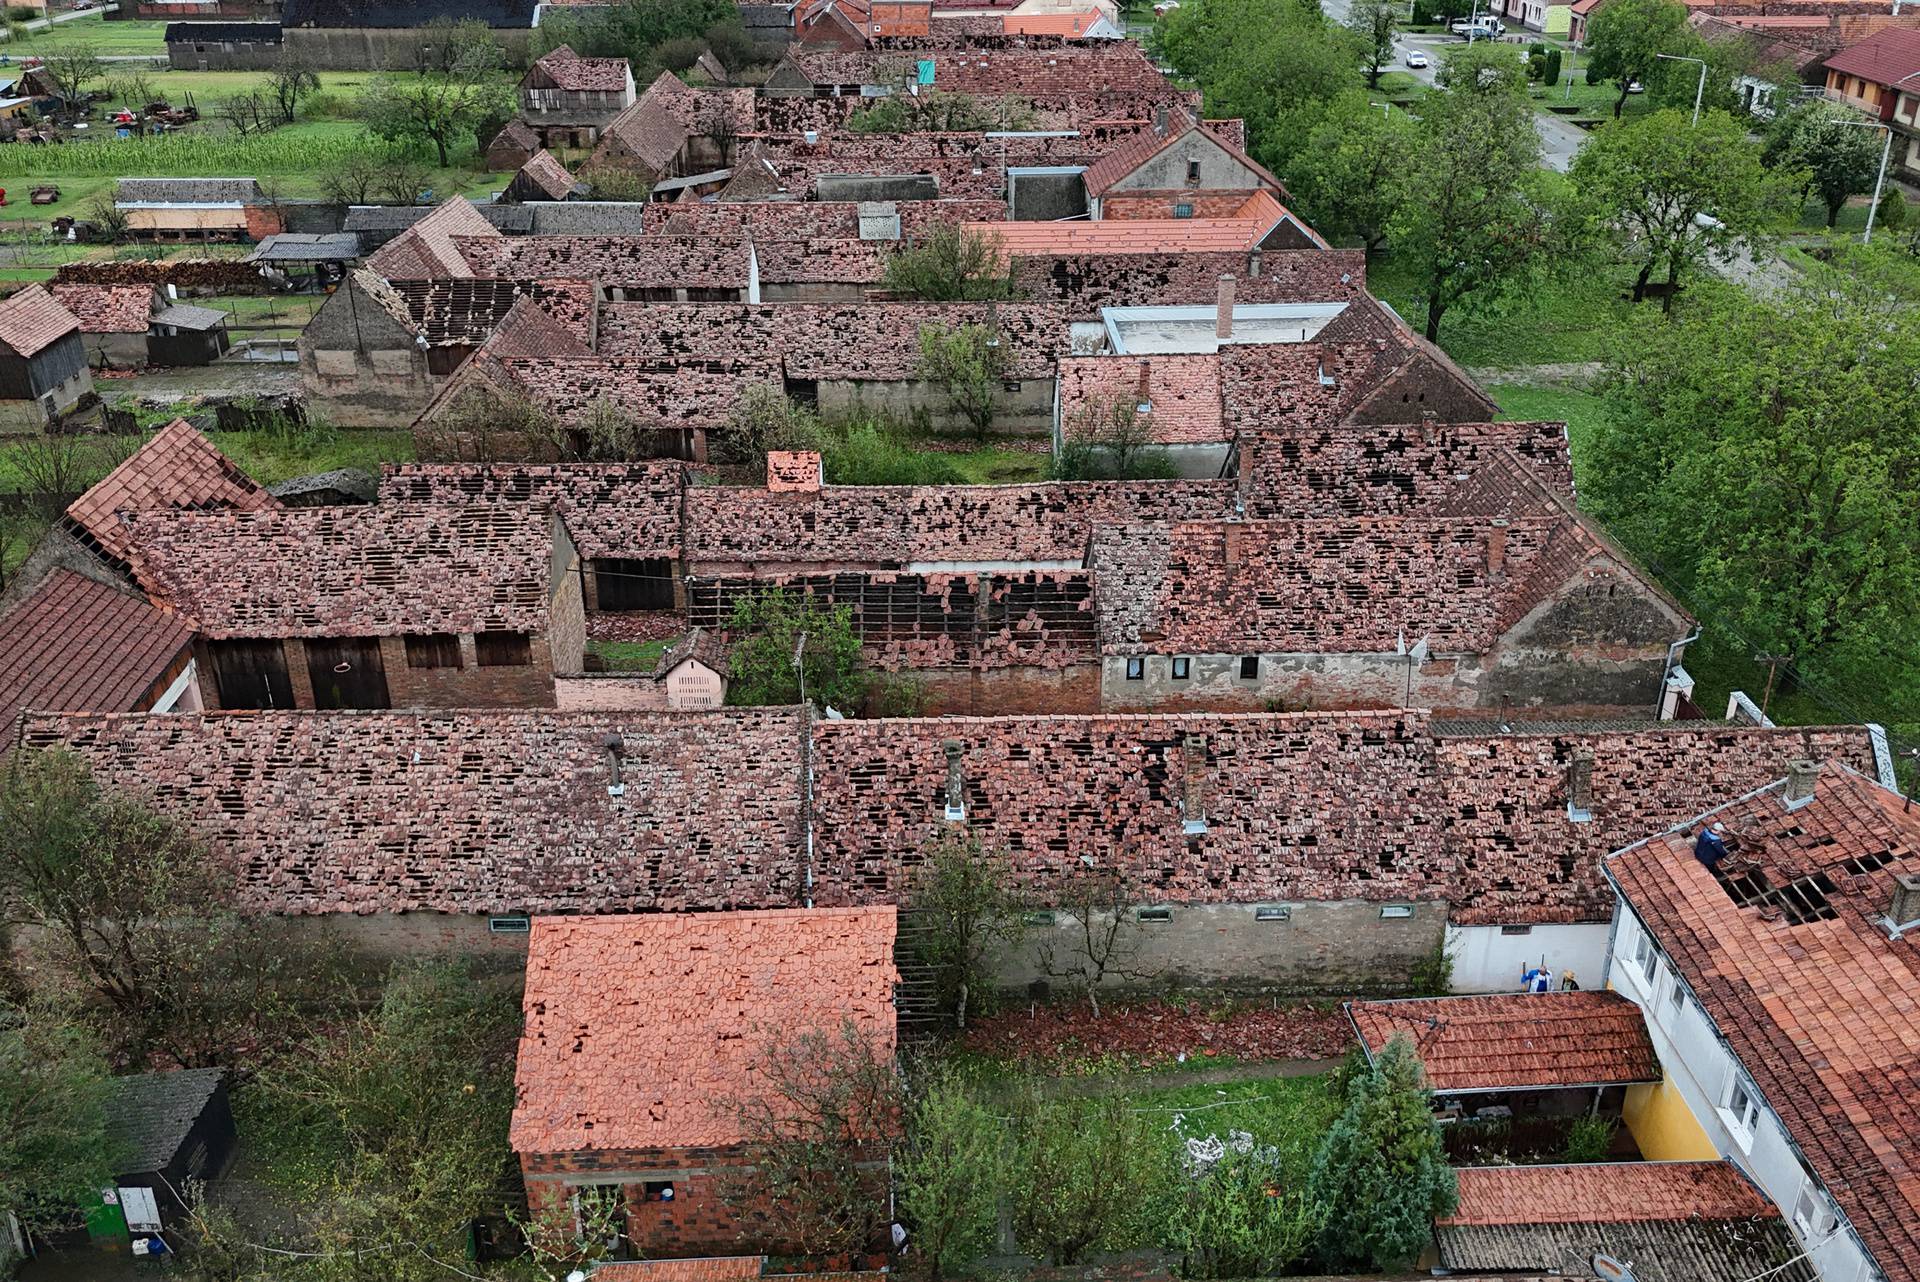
{"x":967,"y":362}
{"x":635,"y":29}
{"x":898,"y":694}
{"x":942,"y":112}
{"x":55,"y":1152}
{"x":1234,"y":1216}
{"x":1111,"y":442}
{"x":1088,"y":1175}
{"x":963,"y":905}
{"x":1433,"y":976}
{"x":390,"y":1129}
{"x":183,"y":153}
{"x":1625,"y":37}
{"x":1891,"y":216}
{"x":815,"y":1130}
{"x":1273,"y":63}
{"x":1350,"y":178}
{"x":952,"y":1168}
{"x":1484,"y":223}
{"x":1550,"y":68}
{"x":1824,"y":142}
{"x":1382,"y":1172}
{"x":863,"y":453}
{"x":1753,"y":451}
{"x":951,"y":265}
{"x":455,"y":90}
{"x":1375,"y":22}
{"x":767,"y":626}
{"x":1590,"y":1139}
{"x":1676,"y":195}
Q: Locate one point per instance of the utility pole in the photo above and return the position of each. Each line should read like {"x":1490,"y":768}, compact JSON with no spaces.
{"x":1699,"y":92}
{"x":1773,"y":662}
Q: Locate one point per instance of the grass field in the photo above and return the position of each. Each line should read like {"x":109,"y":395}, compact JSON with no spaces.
{"x":1582,"y":411}
{"x":265,"y":456}
{"x":108,"y":39}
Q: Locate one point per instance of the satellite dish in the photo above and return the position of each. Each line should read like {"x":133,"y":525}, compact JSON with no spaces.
{"x":1608,"y":1269}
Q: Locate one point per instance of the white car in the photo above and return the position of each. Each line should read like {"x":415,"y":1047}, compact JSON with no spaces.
{"x":1416,"y":59}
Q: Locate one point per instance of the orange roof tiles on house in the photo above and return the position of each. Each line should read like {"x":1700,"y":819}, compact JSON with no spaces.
{"x":1516,"y":1040}
{"x":529,"y":331}
{"x":179,"y":469}
{"x":108,"y":309}
{"x":1180,"y":393}
{"x":568,"y":70}
{"x":75,"y":645}
{"x":1605,"y":1193}
{"x":1072,"y":26}
{"x":1250,"y":225}
{"x":33,"y":320}
{"x":640,"y":1029}
{"x":1804,"y":984}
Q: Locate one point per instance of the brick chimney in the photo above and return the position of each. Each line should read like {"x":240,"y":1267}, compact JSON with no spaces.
{"x":1801,"y":776}
{"x":956,"y":790}
{"x":1497,"y":547}
{"x":794,"y":472}
{"x":1143,"y":401}
{"x":1905,"y":908}
{"x":1223,"y":310}
{"x":1580,"y":785}
{"x":1160,"y":121}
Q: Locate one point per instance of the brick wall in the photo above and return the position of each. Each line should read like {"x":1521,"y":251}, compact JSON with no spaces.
{"x":528,"y":685}
{"x":263,"y":221}
{"x":999,"y":691}
{"x":566,"y":604}
{"x":608,"y":692}
{"x":1163,"y":203}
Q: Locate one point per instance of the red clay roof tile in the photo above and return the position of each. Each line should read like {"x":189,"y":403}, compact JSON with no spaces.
{"x":1606,"y":1193}
{"x":75,"y":645}
{"x":177,"y":470}
{"x":1516,"y":1040}
{"x":32,"y":320}
{"x":108,"y":309}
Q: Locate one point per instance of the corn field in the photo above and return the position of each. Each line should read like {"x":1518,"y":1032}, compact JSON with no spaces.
{"x":180,"y":154}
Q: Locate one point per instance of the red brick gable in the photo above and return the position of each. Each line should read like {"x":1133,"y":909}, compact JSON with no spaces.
{"x":1516,"y":1040}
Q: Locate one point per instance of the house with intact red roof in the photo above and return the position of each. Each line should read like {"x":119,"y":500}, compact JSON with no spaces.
{"x":1880,"y":76}
{"x":650,"y":1039}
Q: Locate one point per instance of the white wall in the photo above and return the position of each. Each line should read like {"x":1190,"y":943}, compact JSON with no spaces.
{"x":1703,"y":1069}
{"x":1486,"y":959}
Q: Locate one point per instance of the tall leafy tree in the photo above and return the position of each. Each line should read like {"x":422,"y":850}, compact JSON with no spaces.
{"x":55,"y":1151}
{"x":1381,"y":1173}
{"x":1825,"y":143}
{"x":1758,"y":452}
{"x":1626,"y":37}
{"x":767,"y":628}
{"x":951,"y":265}
{"x":1484,"y":217}
{"x":450,"y":93}
{"x":1675,"y":196}
{"x":1375,"y":22}
{"x":1351,"y":175}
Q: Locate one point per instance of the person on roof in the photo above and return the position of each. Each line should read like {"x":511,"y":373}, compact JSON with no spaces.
{"x":1537,"y":980}
{"x":1710,"y":847}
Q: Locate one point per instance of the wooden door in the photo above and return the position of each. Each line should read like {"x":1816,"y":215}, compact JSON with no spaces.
{"x":251,"y":674}
{"x":347,"y":672}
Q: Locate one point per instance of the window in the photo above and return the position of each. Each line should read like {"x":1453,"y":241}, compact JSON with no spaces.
{"x":510,"y":924}
{"x":633,"y":583}
{"x":1272,"y":912}
{"x":1136,"y":668}
{"x":1250,"y":667}
{"x":1395,"y":912}
{"x":1645,"y":955}
{"x":1155,"y":914}
{"x":434,"y":650}
{"x":1516,"y":930}
{"x":1676,"y":992}
{"x":1182,"y":668}
{"x":1193,"y":173}
{"x":1741,"y":1111}
{"x":503,"y":649}
{"x":1183,"y":211}
{"x":657,"y":1191}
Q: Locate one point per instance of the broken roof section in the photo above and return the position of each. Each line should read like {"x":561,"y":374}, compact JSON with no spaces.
{"x":178,"y":469}
{"x":1834,"y":1059}
{"x":465,"y":313}
{"x":1175,"y":399}
{"x":107,"y":309}
{"x":1516,"y":1041}
{"x":354,"y":572}
{"x":640,"y":1031}
{"x":544,"y":173}
{"x":425,"y":251}
{"x":616,"y":262}
{"x":612,"y":509}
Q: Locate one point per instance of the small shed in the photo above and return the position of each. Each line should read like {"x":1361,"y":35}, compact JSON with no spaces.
{"x":512,"y":147}
{"x":187,"y":335}
{"x":173,"y":1127}
{"x":305,"y":257}
{"x":694,"y":672}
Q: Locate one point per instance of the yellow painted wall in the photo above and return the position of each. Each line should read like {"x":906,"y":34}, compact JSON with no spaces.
{"x":1663,"y":1126}
{"x":1559,"y":21}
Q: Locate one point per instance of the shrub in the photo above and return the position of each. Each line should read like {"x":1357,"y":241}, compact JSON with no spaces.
{"x":1892,"y":213}
{"x":865,"y":454}
{"x":963,"y":901}
{"x":1088,"y":1175}
{"x":678,"y":54}
{"x":1551,"y":75}
{"x":951,"y":266}
{"x":952,"y":1168}
{"x":1235,"y":1218}
{"x":1591,"y":1138}
{"x":1111,"y":442}
{"x":898,"y":694}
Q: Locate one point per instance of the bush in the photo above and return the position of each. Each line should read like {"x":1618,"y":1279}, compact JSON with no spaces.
{"x":952,"y":1167}
{"x":1088,"y":1176}
{"x":679,"y":54}
{"x":950,"y":266}
{"x":1236,"y":1218}
{"x":898,"y":694}
{"x":865,"y":454}
{"x":1551,"y":75}
{"x":1892,"y":214}
{"x":767,"y":626}
{"x":23,"y":13}
{"x":1591,"y":1138}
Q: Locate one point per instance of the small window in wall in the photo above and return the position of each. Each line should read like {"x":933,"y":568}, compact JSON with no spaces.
{"x":1182,"y":668}
{"x":1041,"y":918}
{"x":1741,"y":1110}
{"x":1395,"y":912}
{"x":1136,"y":668}
{"x":1676,"y":992}
{"x":1183,"y":211}
{"x":503,"y":649}
{"x":1272,"y":912}
{"x":433,"y":650}
{"x":509,"y":924}
{"x":657,"y":1191}
{"x":1516,"y":930}
{"x":1155,"y":914}
{"x":1193,"y":172}
{"x":1645,"y":955}
{"x":1250,"y":667}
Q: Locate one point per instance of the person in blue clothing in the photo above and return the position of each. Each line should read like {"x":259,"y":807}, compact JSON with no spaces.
{"x":1710,"y":847}
{"x":1537,"y":980}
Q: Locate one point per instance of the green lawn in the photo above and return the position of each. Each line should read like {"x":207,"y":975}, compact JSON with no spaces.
{"x":269,"y":459}
{"x":108,"y":39}
{"x":631,"y":656}
{"x":1290,"y":1113}
{"x":1580,"y":410}
{"x":992,"y":465}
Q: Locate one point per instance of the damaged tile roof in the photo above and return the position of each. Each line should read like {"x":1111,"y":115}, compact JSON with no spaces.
{"x":807,"y":219}
{"x":107,"y":309}
{"x":530,"y":330}
{"x":349,"y":571}
{"x":1301,"y":469}
{"x":651,"y":393}
{"x":32,"y":320}
{"x":545,"y":174}
{"x":822,"y":261}
{"x":640,"y":1030}
{"x":1812,"y":1003}
{"x":568,"y":70}
{"x":1181,"y":393}
{"x":178,"y":469}
{"x":718,"y":1268}
{"x":477,"y":810}
{"x":464,"y":312}
{"x":611,"y":509}
{"x":1238,"y":234}
{"x":425,"y":251}
{"x":1513,"y":1041}
{"x":1122,"y":162}
{"x":1606,"y":1192}
{"x":622,"y":262}
{"x":75,"y":645}
{"x":508,"y":810}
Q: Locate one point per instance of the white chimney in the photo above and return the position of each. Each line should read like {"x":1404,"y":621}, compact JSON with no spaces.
{"x":1800,"y":782}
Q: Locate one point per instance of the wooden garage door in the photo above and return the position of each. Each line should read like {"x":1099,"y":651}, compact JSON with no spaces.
{"x":347,"y":672}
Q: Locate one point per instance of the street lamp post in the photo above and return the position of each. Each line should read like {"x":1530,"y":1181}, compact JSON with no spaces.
{"x":1700,"y":92}
{"x":1571,"y":61}
{"x":1880,"y":182}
